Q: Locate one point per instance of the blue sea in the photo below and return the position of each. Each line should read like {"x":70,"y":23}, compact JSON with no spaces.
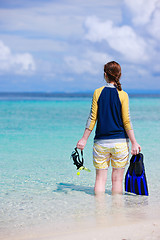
{"x":39,"y":183}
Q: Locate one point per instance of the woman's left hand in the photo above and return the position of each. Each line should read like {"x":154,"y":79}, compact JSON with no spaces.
{"x":81,"y":143}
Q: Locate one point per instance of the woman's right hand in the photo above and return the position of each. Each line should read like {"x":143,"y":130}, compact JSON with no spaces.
{"x":135,"y":149}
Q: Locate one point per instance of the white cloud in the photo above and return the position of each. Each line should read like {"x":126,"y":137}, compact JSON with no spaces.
{"x":55,"y":33}
{"x":20,"y":43}
{"x":62,"y":18}
{"x":98,"y":57}
{"x":142,"y":10}
{"x":122,"y":39}
{"x":89,"y":62}
{"x":15,"y":63}
{"x":79,"y":66}
{"x":154,"y":25}
{"x":146,"y":13}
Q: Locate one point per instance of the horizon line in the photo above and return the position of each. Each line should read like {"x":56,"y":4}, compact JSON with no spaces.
{"x":148,"y":91}
{"x":130,"y":91}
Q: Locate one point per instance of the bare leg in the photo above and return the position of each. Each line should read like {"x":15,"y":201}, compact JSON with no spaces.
{"x":117,"y":180}
{"x":101,"y":178}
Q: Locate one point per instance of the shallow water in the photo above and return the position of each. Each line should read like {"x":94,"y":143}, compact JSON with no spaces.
{"x":38,"y":181}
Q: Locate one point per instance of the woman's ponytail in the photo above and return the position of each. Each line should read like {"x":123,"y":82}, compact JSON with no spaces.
{"x":118,"y":84}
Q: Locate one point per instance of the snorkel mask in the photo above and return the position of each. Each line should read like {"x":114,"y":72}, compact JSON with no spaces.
{"x":78,"y":161}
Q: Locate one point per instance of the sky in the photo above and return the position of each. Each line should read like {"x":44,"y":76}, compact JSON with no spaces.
{"x":62,"y":45}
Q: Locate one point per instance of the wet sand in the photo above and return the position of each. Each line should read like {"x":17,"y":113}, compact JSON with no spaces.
{"x":90,"y":229}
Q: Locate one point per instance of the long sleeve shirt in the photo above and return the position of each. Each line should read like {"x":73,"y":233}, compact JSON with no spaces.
{"x":110,"y":110}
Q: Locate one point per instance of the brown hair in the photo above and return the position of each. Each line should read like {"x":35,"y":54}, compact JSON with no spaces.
{"x":113,"y":71}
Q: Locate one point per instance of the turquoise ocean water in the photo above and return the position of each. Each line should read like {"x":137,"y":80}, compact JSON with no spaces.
{"x":38,"y":180}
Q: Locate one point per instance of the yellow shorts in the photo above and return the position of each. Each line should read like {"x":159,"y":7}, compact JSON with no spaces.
{"x":117,"y":153}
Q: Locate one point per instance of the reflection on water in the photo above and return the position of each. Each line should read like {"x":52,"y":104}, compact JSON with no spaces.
{"x":120,"y":209}
{"x":105,"y":208}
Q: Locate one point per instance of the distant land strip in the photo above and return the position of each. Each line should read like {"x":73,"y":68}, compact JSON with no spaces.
{"x":37,"y":95}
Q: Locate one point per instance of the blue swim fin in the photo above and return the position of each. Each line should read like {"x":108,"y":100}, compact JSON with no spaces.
{"x":135,"y":179}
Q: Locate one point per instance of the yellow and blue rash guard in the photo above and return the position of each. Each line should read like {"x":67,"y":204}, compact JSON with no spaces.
{"x":110,"y":109}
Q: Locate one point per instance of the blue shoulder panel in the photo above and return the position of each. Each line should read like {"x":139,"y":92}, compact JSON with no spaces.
{"x":109,"y":119}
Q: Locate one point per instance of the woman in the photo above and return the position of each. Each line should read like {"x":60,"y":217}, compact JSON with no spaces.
{"x":110,"y":109}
